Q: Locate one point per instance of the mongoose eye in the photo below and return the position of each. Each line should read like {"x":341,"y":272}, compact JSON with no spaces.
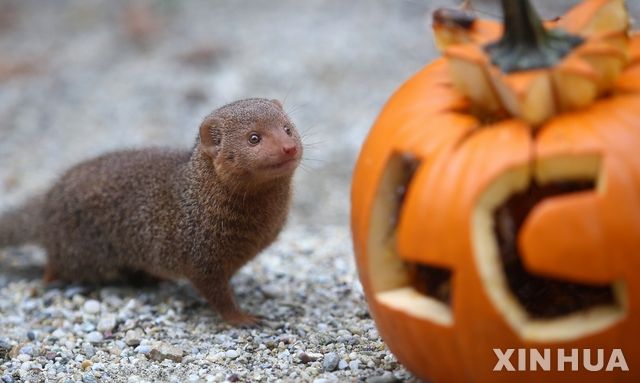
{"x":287,"y":130}
{"x":254,"y":139}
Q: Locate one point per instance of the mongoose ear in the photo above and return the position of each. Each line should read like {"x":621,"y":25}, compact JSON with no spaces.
{"x":210,"y":136}
{"x":278,"y":104}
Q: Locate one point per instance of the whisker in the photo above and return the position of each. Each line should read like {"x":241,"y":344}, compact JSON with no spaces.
{"x":317,"y":160}
{"x":312,"y":138}
{"x":296,"y":108}
{"x":310,"y":135}
{"x":305,"y":169}
{"x":313,"y":144}
{"x":309,"y":130}
{"x":286,"y":96}
{"x":309,"y":168}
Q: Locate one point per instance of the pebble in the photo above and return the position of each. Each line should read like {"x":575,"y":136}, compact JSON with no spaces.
{"x":27,"y":349}
{"x":107,"y":323}
{"x":328,"y":379}
{"x":231,"y":354}
{"x":59,"y":333}
{"x":5,"y":346}
{"x":308,"y":357}
{"x":162,"y":351}
{"x":23,"y":357}
{"x":74,"y":291}
{"x":387,"y":377}
{"x":143,"y":349}
{"x":94,"y":337}
{"x":133,"y":337}
{"x":88,"y":350}
{"x":330,"y":361}
{"x":343,"y":364}
{"x":87,"y":327}
{"x":91,"y":307}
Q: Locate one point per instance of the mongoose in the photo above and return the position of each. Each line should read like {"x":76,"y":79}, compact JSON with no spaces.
{"x":199,"y":214}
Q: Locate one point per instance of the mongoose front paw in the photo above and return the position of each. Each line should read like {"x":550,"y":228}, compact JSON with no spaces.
{"x":243,"y":320}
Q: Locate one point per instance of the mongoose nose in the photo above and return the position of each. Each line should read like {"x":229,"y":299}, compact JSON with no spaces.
{"x":290,"y":150}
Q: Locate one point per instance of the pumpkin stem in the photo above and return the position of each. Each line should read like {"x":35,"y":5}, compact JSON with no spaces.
{"x":526,"y":44}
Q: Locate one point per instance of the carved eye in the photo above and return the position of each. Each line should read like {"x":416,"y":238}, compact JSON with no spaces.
{"x":287,"y":129}
{"x":254,"y":139}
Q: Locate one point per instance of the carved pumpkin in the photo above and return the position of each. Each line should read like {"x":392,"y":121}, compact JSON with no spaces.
{"x":496,"y":200}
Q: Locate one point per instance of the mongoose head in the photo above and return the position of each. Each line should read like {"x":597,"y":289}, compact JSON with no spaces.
{"x":251,"y":142}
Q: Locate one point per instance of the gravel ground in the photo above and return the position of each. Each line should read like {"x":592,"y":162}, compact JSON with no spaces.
{"x":316,"y":327}
{"x":80,"y":78}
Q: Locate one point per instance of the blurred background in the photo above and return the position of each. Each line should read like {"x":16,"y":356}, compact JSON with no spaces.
{"x":81,"y":77}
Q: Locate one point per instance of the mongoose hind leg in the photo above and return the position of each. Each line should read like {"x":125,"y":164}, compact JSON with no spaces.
{"x":220,"y":295}
{"x":72,"y":264}
{"x":50,"y":274}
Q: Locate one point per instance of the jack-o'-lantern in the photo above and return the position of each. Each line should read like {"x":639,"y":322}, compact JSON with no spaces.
{"x":496,"y":201}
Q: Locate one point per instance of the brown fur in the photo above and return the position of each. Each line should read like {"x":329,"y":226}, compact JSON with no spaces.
{"x":169,"y":213}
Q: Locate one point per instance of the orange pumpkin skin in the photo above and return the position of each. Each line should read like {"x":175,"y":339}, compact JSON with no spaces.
{"x":591,"y":237}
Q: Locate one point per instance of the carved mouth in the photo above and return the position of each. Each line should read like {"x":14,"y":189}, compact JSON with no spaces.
{"x":538,"y":306}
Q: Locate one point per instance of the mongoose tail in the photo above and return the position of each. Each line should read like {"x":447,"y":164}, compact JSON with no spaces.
{"x":20,"y":225}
